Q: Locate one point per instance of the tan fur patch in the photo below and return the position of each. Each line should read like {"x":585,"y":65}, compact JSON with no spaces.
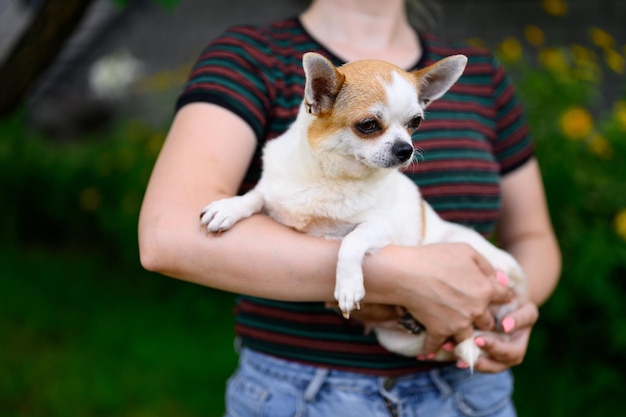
{"x":362,"y":88}
{"x":323,"y":126}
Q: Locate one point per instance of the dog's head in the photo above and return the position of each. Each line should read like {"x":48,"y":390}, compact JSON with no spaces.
{"x":365,"y":111}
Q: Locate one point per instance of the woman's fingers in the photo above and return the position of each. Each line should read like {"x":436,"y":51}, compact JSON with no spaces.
{"x":502,"y":353}
{"x":526,"y":315}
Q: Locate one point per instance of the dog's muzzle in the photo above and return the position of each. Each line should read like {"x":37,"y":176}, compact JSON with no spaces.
{"x":402,"y":151}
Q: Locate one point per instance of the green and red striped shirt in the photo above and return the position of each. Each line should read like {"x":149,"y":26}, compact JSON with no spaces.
{"x":469,"y":138}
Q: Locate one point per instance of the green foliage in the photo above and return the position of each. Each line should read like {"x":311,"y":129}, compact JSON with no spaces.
{"x":574,"y":364}
{"x":76,"y":194}
{"x":85,"y":337}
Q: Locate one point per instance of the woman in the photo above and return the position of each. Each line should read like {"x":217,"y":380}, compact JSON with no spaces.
{"x":297,"y":356}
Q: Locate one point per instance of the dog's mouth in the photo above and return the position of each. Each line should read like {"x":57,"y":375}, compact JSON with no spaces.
{"x":396,"y":155}
{"x":386,"y":162}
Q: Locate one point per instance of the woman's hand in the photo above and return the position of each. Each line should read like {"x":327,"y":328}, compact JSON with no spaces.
{"x":447,"y":287}
{"x":502,"y":353}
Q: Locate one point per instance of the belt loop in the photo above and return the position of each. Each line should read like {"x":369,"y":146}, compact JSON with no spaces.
{"x":440,"y":383}
{"x":315,"y":384}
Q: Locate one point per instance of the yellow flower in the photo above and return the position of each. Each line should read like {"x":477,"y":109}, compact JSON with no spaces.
{"x":534,"y":35}
{"x":620,"y":223}
{"x":90,"y":199}
{"x":576,"y":123}
{"x":137,"y":130}
{"x":582,"y":54}
{"x":553,"y":59}
{"x":601,"y":38}
{"x":554,"y":7}
{"x":155,"y":143}
{"x":588,"y":71}
{"x":164,"y":80}
{"x":600,"y":146}
{"x":585,"y":61}
{"x":615,"y":61}
{"x":476,"y":42}
{"x":620,"y":114}
{"x":511,"y":49}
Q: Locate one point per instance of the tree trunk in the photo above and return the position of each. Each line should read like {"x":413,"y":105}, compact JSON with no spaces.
{"x":37,"y":49}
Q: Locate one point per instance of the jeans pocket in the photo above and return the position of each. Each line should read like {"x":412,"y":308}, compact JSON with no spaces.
{"x":244,"y":398}
{"x":485,"y":395}
{"x":250,"y":396}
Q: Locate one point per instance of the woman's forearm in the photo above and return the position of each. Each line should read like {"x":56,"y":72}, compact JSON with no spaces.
{"x":526,"y":232}
{"x":539,"y":257}
{"x":257,"y":257}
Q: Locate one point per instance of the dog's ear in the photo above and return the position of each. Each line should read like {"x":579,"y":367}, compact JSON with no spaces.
{"x":434,"y":80}
{"x":322,"y":85}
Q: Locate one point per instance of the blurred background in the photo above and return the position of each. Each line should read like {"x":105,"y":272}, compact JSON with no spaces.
{"x":87,"y":90}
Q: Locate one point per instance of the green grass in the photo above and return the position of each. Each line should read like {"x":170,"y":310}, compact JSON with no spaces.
{"x":84,"y":336}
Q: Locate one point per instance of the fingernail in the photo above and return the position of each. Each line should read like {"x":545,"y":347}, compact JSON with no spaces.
{"x":426,"y":357}
{"x":508,"y":324}
{"x":502,"y":278}
{"x":480,"y":342}
{"x":462,"y":364}
{"x":448,"y":346}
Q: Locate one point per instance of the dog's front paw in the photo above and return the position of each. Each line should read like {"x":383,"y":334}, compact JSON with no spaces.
{"x":221,"y":215}
{"x":349,"y":291}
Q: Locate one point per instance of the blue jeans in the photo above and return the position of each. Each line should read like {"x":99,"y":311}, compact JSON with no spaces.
{"x":265,"y":386}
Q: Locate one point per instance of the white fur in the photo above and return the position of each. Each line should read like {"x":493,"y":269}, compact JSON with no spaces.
{"x":345,"y":188}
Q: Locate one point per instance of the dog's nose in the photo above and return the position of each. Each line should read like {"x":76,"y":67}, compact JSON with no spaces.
{"x":402,"y":150}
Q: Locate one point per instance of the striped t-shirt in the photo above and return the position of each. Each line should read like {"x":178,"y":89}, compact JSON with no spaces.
{"x":469,"y":138}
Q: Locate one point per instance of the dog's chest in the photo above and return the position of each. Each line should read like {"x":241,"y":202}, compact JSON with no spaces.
{"x":330,"y":210}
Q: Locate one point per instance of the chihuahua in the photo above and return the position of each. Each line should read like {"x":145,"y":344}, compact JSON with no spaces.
{"x":336,"y":173}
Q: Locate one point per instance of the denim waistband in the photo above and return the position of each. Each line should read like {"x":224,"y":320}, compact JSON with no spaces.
{"x":311,"y":378}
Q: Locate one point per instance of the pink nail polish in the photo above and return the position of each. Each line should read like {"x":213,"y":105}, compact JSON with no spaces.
{"x":480,"y":342}
{"x":502,"y":278}
{"x":448,"y":347}
{"x":462,"y":364}
{"x":508,"y":324}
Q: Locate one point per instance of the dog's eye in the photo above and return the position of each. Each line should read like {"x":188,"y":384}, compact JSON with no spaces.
{"x":415,"y":123}
{"x":367,"y":127}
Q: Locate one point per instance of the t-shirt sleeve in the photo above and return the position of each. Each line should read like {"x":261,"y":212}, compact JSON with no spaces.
{"x":513,"y":145}
{"x":234,"y":72}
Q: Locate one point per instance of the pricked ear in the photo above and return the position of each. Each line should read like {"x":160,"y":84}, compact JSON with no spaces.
{"x":434,"y":80}
{"x":322,"y":85}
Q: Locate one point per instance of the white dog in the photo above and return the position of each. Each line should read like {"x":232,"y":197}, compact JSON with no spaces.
{"x":334,"y":173}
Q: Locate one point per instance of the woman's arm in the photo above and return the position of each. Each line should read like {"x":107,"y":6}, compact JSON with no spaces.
{"x":526,"y":232}
{"x":204,"y":158}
